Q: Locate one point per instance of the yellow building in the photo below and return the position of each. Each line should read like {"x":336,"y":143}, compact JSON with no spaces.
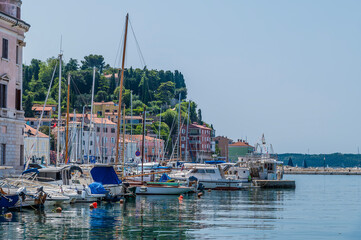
{"x":103,"y":108}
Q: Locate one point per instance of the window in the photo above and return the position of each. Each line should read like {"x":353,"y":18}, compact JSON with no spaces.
{"x":2,"y":154}
{"x":210,"y":171}
{"x":182,"y":145}
{"x":17,"y":54}
{"x":18,"y":13}
{"x":112,"y":130}
{"x":98,"y":129}
{"x":21,"y":155}
{"x":83,"y":142}
{"x":18,"y":99}
{"x":105,"y":140}
{"x":105,"y":129}
{"x":183,"y":138}
{"x":183,"y":131}
{"x":91,"y":143}
{"x":112,"y":140}
{"x":5,"y":52}
{"x":3,"y":95}
{"x":201,"y":171}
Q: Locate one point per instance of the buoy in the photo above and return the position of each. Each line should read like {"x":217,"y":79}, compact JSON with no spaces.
{"x":121,"y":201}
{"x":200,"y":194}
{"x":91,"y":206}
{"x":8,"y":215}
{"x":95,"y":204}
{"x":209,"y":190}
{"x":180,"y":197}
{"x":58,"y":209}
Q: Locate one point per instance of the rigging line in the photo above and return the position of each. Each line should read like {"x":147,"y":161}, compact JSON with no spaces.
{"x":138,"y":47}
{"x":77,"y":90}
{"x":119,"y":51}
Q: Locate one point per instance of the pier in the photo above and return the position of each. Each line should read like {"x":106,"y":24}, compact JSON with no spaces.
{"x":323,"y":171}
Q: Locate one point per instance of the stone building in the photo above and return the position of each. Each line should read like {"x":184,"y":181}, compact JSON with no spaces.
{"x":12,"y":30}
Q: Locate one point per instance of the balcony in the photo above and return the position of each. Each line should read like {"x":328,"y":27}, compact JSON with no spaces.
{"x":11,"y":113}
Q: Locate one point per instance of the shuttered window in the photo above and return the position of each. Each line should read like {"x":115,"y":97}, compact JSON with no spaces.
{"x":5,"y":48}
{"x":3,"y":95}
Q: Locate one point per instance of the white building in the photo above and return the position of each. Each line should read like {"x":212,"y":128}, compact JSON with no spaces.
{"x":36,"y":146}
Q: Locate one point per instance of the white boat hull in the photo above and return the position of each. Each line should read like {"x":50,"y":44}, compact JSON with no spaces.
{"x":166,"y":190}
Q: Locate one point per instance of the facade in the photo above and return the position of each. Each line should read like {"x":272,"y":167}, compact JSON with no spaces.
{"x":222,"y":145}
{"x":12,"y":30}
{"x":49,"y":110}
{"x":199,"y":142}
{"x":239,"y":149}
{"x":37,"y":149}
{"x":153,"y":148}
{"x":101,"y":108}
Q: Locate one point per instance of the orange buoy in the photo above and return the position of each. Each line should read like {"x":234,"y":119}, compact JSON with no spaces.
{"x":58,"y":209}
{"x":8,"y":215}
{"x":180,"y":197}
{"x":95,"y":204}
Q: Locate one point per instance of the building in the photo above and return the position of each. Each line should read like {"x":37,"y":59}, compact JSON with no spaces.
{"x":222,"y":146}
{"x":153,"y":148}
{"x":49,"y":110}
{"x":37,"y":148}
{"x":128,"y":119}
{"x":239,"y":149}
{"x":101,"y":108}
{"x":199,"y":142}
{"x":12,"y":35}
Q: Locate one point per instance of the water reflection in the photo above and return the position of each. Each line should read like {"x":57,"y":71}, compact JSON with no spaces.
{"x":216,"y":214}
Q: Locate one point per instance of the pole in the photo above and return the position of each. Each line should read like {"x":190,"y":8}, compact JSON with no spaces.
{"x":143,"y":153}
{"x":186,"y":151}
{"x":121,"y":88}
{"x":131,"y":123}
{"x":158,"y":141}
{"x":91,"y":117}
{"x":123,"y":145}
{"x":179,"y":131}
{"x":59,"y":113}
{"x":81,"y":137}
{"x":67,"y":123}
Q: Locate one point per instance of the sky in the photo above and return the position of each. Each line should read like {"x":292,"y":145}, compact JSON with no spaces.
{"x":288,"y":69}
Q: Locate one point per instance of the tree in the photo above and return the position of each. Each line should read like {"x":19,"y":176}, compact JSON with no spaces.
{"x":28,"y":104}
{"x":165,"y":92}
{"x":93,"y":60}
{"x":72,"y":65}
{"x":101,"y":96}
{"x":200,"y":117}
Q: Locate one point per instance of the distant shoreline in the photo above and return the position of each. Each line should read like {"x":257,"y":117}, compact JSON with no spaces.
{"x":322,"y":171}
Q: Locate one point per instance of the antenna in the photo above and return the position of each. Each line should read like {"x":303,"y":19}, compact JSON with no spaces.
{"x":61,"y":44}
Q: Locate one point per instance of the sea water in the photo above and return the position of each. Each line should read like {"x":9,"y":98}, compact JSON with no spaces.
{"x":321,"y":207}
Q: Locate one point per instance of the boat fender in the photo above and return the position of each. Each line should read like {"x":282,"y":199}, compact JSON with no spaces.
{"x":8,"y":215}
{"x":200,"y":194}
{"x":121,"y":201}
{"x":58,"y":210}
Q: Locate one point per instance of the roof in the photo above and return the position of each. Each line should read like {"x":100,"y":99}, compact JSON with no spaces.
{"x":37,"y":119}
{"x":140,"y":138}
{"x":240,"y":144}
{"x":104,"y":103}
{"x":110,"y":75}
{"x":41,"y":108}
{"x":30,"y":132}
{"x":199,"y":126}
{"x":102,"y":121}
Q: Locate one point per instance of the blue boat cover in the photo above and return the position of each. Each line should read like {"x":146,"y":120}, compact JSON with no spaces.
{"x":105,"y":175}
{"x":164,"y":178}
{"x":97,"y":188}
{"x":31,"y":170}
{"x":214,"y":162}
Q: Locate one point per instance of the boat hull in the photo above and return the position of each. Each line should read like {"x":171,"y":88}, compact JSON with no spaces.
{"x":161,"y":190}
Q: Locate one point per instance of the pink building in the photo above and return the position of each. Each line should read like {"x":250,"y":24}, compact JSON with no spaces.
{"x":153,"y":148}
{"x":12,"y":30}
{"x":199,"y":142}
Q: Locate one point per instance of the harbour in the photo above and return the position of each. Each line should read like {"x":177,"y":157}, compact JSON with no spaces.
{"x":314,"y":205}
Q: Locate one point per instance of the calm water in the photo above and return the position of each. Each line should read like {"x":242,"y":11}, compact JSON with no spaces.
{"x":321,"y":207}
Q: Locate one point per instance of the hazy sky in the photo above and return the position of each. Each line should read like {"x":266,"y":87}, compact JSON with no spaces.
{"x":289,"y":69}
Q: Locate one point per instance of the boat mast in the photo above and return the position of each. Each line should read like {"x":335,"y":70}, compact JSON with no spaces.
{"x":121,"y":88}
{"x":123,"y":145}
{"x":186,"y":151}
{"x":59,"y":113}
{"x":67,"y":122}
{"x":143,"y":153}
{"x":131,"y":123}
{"x":91,"y":117}
{"x":179,"y":131}
{"x":158,"y":141}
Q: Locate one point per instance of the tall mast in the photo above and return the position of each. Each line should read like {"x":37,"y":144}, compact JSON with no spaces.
{"x":179,"y":131}
{"x":81,"y":138}
{"x":91,"y":117}
{"x":59,"y":112}
{"x":186,"y":151}
{"x":123,"y":145}
{"x":158,"y":141}
{"x":67,"y":122}
{"x":143,"y":153}
{"x":131,"y":123}
{"x":121,"y":88}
